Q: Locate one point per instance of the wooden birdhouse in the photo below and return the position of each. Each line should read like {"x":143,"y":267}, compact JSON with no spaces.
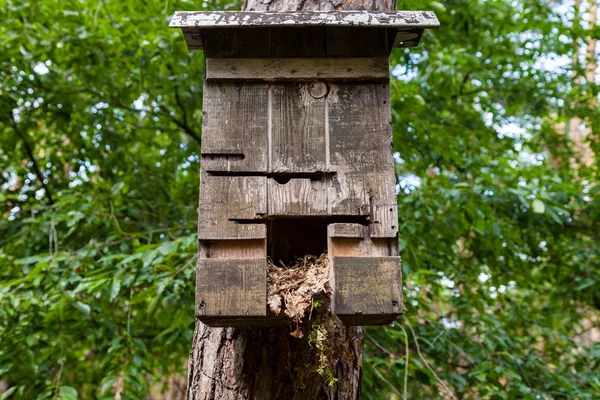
{"x":297,"y":156}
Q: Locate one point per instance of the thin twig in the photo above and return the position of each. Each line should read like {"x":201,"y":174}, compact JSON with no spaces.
{"x":406,"y":362}
{"x":380,"y":347}
{"x":446,"y":388}
{"x":180,"y":270}
{"x":29,"y":150}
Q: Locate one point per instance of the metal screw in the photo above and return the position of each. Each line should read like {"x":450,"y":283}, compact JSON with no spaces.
{"x":202,"y":306}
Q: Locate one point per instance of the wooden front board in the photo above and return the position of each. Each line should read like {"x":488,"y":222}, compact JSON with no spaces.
{"x":368,"y":290}
{"x":231,"y":288}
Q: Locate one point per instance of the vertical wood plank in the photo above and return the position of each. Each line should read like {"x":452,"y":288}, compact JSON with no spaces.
{"x":298,"y":197}
{"x":223,"y":198}
{"x":298,"y":129}
{"x":360,"y":138}
{"x":235,"y":127}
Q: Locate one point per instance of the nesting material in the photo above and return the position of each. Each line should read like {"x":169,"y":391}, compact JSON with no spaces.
{"x":292,"y":289}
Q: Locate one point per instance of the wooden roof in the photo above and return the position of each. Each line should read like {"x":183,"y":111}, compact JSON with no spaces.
{"x":224,"y":19}
{"x":194,"y":22}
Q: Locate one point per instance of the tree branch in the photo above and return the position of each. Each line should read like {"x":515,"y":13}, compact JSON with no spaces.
{"x":29,"y":150}
{"x":182,"y":124}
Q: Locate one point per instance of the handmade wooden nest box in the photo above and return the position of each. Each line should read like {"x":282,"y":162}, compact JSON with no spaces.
{"x":297,"y":157}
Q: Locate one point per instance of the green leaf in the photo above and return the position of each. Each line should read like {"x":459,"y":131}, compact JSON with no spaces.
{"x":167,"y":248}
{"x":84,"y":308}
{"x":538,"y":206}
{"x":33,"y":259}
{"x":68,"y":393}
{"x":7,"y":394}
{"x":115,"y":288}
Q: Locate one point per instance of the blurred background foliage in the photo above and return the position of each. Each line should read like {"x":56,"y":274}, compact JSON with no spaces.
{"x":495,"y":126}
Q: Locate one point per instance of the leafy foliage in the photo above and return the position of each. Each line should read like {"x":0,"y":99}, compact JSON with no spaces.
{"x":100,"y":119}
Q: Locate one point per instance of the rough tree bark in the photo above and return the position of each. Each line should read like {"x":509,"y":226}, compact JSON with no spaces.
{"x":580,"y":129}
{"x":268,"y":363}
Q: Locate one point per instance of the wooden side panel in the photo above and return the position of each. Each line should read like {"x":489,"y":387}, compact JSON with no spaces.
{"x":367,"y":289}
{"x":193,"y":38}
{"x":385,"y":217}
{"x":408,"y":38}
{"x":231,"y":288}
{"x":223,"y":198}
{"x":298,"y":129}
{"x":235,"y":127}
{"x":360,"y":139}
{"x":298,"y":197}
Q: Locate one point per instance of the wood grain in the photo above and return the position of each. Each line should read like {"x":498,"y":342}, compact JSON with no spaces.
{"x":233,"y":249}
{"x":360,"y":147}
{"x":298,"y":129}
{"x":231,"y":288}
{"x":367,"y":289}
{"x":295,"y":69}
{"x":361,"y":247}
{"x":298,"y":197}
{"x":234,"y":127}
{"x":223,"y":198}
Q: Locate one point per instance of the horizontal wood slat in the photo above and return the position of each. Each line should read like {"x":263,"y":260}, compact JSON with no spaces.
{"x":298,"y":197}
{"x":273,"y":69}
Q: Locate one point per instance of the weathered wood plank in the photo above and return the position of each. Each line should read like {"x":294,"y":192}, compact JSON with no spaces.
{"x":360,"y":140}
{"x":233,"y":249}
{"x":347,"y":230}
{"x":307,"y":42}
{"x":298,"y":197}
{"x":235,"y":127}
{"x":235,"y":19}
{"x":360,"y":126}
{"x":193,"y":38}
{"x":409,"y":38}
{"x":294,"y":69}
{"x":231,"y":288}
{"x":235,"y":42}
{"x":352,"y":42}
{"x":298,"y":129}
{"x":361,"y":247}
{"x":223,"y":198}
{"x":385,"y":218}
{"x":367,"y":290}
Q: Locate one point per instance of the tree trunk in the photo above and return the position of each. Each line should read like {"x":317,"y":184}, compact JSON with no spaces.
{"x":269,"y":363}
{"x":580,"y":129}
